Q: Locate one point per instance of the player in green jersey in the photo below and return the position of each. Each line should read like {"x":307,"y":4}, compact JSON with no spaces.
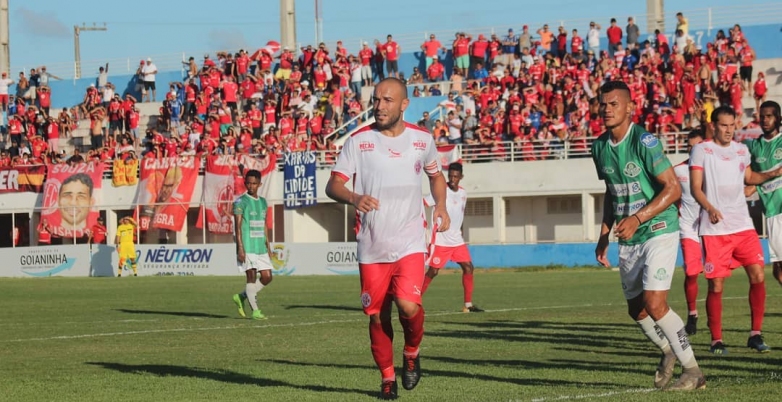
{"x":641,"y":189}
{"x":252,"y":243}
{"x":766,"y":154}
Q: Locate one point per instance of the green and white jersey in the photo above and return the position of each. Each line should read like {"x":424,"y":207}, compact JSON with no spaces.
{"x":629,"y":169}
{"x":253,"y":212}
{"x":766,"y":156}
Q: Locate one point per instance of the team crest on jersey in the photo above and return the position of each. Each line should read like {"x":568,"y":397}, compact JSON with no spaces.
{"x":365,"y":146}
{"x":608,"y":170}
{"x":366,"y":299}
{"x":708,"y":268}
{"x":418,"y":167}
{"x":778,"y":154}
{"x":631,"y":169}
{"x":649,"y":140}
{"x":742,"y":167}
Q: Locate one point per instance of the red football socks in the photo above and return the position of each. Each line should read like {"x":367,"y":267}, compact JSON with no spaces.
{"x":467,"y":283}
{"x":427,"y":281}
{"x":414,"y":332}
{"x":381,"y":337}
{"x":691,"y":292}
{"x":757,"y":304}
{"x":714,"y":313}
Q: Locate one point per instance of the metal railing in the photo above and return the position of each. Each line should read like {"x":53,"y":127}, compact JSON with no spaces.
{"x":708,"y":19}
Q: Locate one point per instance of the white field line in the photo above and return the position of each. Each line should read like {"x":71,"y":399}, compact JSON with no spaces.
{"x":594,"y":396}
{"x":295,"y":324}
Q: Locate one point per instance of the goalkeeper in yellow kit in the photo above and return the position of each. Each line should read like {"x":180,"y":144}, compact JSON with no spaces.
{"x":125,"y":244}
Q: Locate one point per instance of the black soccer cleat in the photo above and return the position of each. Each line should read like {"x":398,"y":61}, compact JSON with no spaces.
{"x":412,"y":372}
{"x":692,"y":325}
{"x":756,"y":342}
{"x":388,"y":391}
{"x":472,"y":309}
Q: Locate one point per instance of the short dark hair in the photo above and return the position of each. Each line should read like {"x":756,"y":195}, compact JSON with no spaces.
{"x":611,"y":86}
{"x":456,"y":166}
{"x":697,"y":133}
{"x":722,"y":110}
{"x":81,"y":178}
{"x":253,"y":173}
{"x":773,"y":105}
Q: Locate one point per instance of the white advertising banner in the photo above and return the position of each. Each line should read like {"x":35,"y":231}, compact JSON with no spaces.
{"x":171,"y":260}
{"x":314,"y":258}
{"x":45,"y":261}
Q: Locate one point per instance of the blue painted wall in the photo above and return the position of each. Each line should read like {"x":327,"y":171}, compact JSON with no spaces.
{"x":534,"y":255}
{"x":766,"y":39}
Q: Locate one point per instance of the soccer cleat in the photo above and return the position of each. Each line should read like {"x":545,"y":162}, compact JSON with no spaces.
{"x":472,"y":309}
{"x":388,"y":390}
{"x":718,"y":349}
{"x":689,"y":381}
{"x":240,"y":304}
{"x":258,"y":315}
{"x":664,"y":372}
{"x":756,"y":342}
{"x":692,"y":325}
{"x":412,"y":372}
{"x":135,"y":274}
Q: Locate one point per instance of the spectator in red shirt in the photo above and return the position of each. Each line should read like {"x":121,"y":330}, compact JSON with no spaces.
{"x":391,"y":52}
{"x":430,"y":48}
{"x":98,"y":232}
{"x":614,"y":33}
{"x":435,"y":71}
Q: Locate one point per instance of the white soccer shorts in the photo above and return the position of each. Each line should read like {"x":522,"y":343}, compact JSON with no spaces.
{"x":774,"y":226}
{"x":648,"y":266}
{"x":259,"y":262}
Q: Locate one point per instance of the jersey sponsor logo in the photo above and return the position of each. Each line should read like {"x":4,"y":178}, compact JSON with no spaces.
{"x":631,"y":169}
{"x":608,"y":170}
{"x":778,"y":154}
{"x":623,"y":190}
{"x":659,"y":226}
{"x":683,"y":179}
{"x":366,"y":299}
{"x":366,"y":146}
{"x":649,"y":140}
{"x":419,"y":145}
{"x":741,"y":152}
{"x":708,"y":150}
{"x":760,"y":159}
{"x":624,"y":209}
{"x":394,"y":154}
{"x":771,"y":185}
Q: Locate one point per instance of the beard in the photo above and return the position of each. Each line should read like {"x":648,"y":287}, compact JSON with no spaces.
{"x":392,"y":121}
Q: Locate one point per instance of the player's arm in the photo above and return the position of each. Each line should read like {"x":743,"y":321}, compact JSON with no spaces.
{"x":268,"y":236}
{"x":670,"y":193}
{"x":749,"y":191}
{"x":238,"y":219}
{"x":696,"y":188}
{"x":755,"y":178}
{"x":601,"y":251}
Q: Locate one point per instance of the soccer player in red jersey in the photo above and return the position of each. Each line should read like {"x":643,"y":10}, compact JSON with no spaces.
{"x":449,"y":245}
{"x":386,"y":162}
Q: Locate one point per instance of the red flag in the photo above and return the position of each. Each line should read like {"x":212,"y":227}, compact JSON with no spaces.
{"x":165,"y":190}
{"x":22,"y":179}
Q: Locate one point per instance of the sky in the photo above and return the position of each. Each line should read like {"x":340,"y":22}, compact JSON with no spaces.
{"x":41,"y":31}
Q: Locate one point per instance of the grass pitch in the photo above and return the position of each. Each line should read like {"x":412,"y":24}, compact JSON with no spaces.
{"x":548,"y":335}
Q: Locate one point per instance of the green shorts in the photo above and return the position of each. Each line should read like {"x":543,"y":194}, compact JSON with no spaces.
{"x":463,"y":61}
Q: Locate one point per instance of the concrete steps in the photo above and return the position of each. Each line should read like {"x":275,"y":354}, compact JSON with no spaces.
{"x":81,"y":136}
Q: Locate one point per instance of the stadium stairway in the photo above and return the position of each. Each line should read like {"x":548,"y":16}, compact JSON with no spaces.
{"x":81,"y":136}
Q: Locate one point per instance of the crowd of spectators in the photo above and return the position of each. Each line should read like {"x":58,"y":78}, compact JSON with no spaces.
{"x":534,"y":91}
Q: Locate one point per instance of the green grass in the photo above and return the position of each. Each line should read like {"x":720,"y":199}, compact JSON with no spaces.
{"x":548,"y":334}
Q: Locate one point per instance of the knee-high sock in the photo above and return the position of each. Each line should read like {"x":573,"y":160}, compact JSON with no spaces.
{"x":467,"y":284}
{"x":714,"y":312}
{"x":757,"y":305}
{"x":691,"y":293}
{"x":414,"y":332}
{"x":251,"y":290}
{"x":381,"y":337}
{"x":672,"y":327}
{"x":427,"y":281}
{"x":654,"y":333}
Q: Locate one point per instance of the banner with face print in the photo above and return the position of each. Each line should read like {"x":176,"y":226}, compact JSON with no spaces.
{"x":165,"y":190}
{"x":224,"y":181}
{"x":70,"y":195}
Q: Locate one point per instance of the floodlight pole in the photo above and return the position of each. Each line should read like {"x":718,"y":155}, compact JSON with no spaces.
{"x":77,"y":49}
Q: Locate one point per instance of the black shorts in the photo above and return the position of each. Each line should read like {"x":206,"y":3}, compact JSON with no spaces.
{"x":745,"y":72}
{"x":149,"y":85}
{"x":392,"y":66}
{"x":257,"y":132}
{"x":115,"y":125}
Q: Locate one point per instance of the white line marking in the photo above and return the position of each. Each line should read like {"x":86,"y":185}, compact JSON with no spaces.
{"x":603,"y":395}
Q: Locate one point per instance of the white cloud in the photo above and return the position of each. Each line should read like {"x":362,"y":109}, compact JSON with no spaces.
{"x":42,"y":23}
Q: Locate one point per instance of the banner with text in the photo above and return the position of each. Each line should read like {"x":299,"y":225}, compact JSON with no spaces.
{"x":165,"y":190}
{"x":45,"y":261}
{"x":299,"y":180}
{"x":171,"y":260}
{"x":22,"y":179}
{"x":124,"y":172}
{"x":70,"y":195}
{"x":224,"y":181}
{"x":314,"y":258}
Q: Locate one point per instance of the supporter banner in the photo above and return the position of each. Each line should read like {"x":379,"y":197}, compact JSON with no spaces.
{"x":70,"y":195}
{"x":224,"y":181}
{"x":299,"y":182}
{"x":314,"y":258}
{"x":448,"y":154}
{"x":171,"y":260}
{"x":22,"y":179}
{"x":45,"y":261}
{"x":165,"y":191}
{"x":124,"y":172}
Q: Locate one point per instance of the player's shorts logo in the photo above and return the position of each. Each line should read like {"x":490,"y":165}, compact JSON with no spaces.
{"x":661,"y":274}
{"x":436,"y":260}
{"x":708,"y":268}
{"x":366,"y":299}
